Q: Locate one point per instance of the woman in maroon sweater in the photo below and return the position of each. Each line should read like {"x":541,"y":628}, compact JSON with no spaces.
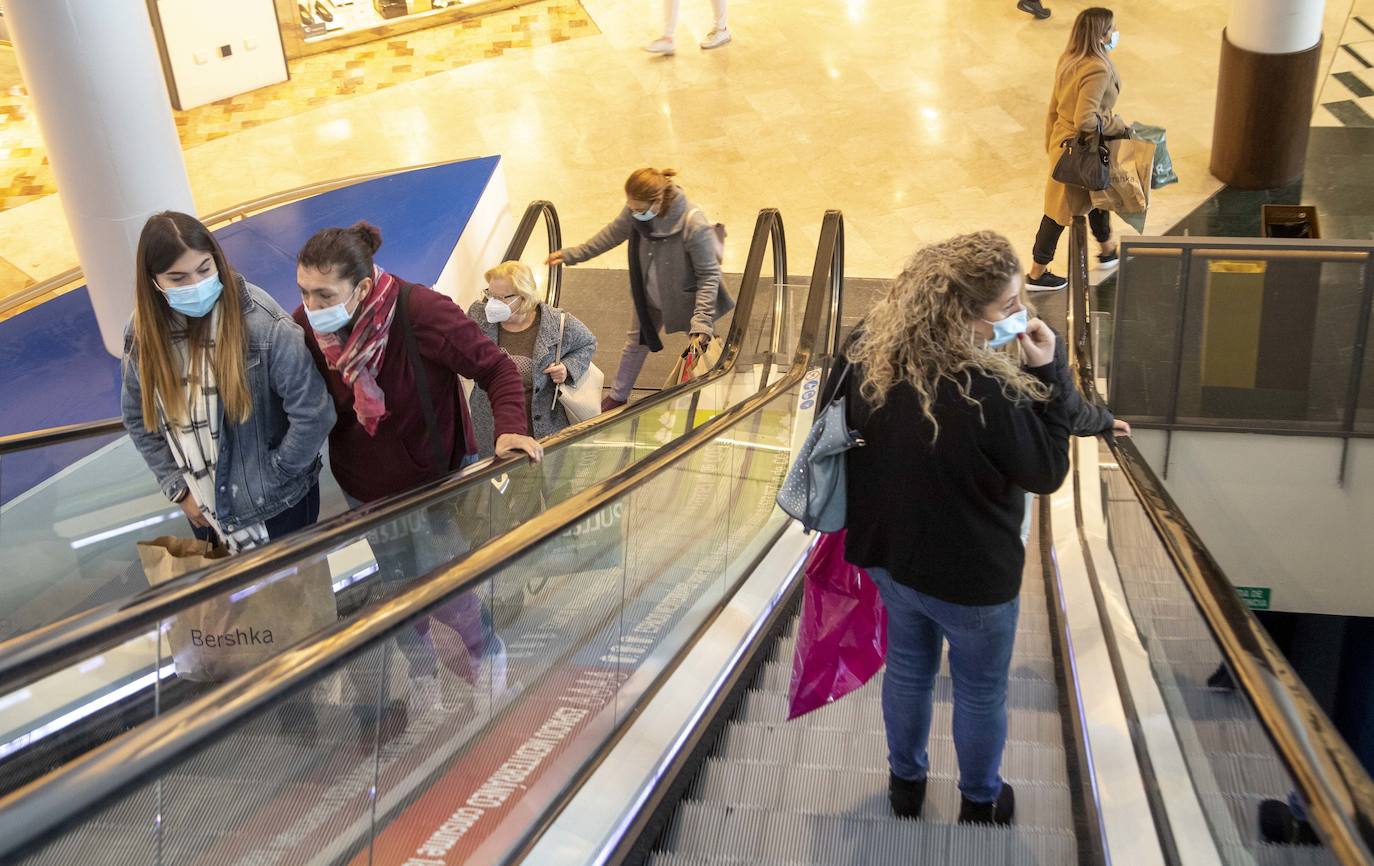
{"x":356,"y":317}
{"x":380,"y":445}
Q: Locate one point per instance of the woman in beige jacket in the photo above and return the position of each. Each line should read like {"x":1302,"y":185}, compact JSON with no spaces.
{"x":1086,"y":87}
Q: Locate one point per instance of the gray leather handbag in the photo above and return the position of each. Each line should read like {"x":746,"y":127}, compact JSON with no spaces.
{"x":813,"y":491}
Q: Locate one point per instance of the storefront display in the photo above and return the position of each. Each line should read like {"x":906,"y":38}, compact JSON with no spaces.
{"x":312,"y":26}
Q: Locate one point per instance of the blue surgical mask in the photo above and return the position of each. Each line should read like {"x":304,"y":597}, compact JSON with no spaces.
{"x":646,"y":216}
{"x":497,"y":310}
{"x":1114,"y":41}
{"x":197,"y":300}
{"x":1008,"y":329}
{"x":332,"y":318}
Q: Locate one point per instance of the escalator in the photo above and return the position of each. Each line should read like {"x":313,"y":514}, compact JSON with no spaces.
{"x":85,"y":677}
{"x":640,"y":716}
{"x":814,"y":790}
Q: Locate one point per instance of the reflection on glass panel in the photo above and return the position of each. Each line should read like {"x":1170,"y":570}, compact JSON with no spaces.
{"x":61,"y":716}
{"x":1234,"y":766}
{"x":1268,"y":341}
{"x":293,"y":784}
{"x":1145,"y":328}
{"x":70,"y":514}
{"x":1364,"y":414}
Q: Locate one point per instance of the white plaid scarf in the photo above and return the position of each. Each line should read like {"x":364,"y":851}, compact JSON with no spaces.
{"x":195,"y":445}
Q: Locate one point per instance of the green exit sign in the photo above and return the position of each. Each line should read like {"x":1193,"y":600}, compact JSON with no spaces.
{"x":1256,"y":597}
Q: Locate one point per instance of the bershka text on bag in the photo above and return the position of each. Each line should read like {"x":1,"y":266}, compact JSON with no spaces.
{"x":237,"y":637}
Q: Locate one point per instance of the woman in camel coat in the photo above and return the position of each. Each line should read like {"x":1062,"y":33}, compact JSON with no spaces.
{"x":1086,"y":87}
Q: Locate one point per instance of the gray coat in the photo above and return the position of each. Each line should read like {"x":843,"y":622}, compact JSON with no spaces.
{"x":268,"y":462}
{"x":682,"y":273}
{"x":546,"y":415}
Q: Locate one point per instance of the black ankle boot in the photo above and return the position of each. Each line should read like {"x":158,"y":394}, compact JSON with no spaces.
{"x":997,"y":812}
{"x":907,"y":797}
{"x":1280,"y":826}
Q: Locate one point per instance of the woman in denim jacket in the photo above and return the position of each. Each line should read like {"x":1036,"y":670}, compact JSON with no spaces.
{"x":221,"y":395}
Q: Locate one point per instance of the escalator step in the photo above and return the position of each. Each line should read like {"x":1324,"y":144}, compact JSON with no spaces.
{"x":1021,"y":694}
{"x":725,"y":834}
{"x":858,"y":795}
{"x":776,"y":676}
{"x":850,"y":714}
{"x":799,"y":746}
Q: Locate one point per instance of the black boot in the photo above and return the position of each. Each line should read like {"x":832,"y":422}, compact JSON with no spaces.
{"x":1035,"y":8}
{"x":998,"y":812}
{"x":906,"y":796}
{"x":1221,"y":680}
{"x":1280,"y":826}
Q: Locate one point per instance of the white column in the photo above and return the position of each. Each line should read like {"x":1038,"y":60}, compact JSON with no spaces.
{"x":93,"y":70}
{"x":1275,"y":26}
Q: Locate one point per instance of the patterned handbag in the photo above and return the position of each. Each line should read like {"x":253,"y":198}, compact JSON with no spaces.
{"x":813,"y":491}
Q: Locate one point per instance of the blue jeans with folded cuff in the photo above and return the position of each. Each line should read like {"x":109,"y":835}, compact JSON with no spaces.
{"x":980,"y":644}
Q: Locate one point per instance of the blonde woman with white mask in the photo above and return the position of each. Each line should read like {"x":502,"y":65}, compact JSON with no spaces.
{"x":527,"y":330}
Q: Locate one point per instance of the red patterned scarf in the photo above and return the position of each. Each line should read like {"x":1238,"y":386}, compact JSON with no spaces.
{"x":360,"y":358}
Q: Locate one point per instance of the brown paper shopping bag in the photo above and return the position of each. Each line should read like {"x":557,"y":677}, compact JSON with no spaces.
{"x":693,"y":365}
{"x":1128,"y":188}
{"x":231,"y":633}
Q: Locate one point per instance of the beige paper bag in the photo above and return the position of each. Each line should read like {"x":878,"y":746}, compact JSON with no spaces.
{"x":1128,"y":188}
{"x":691,"y":366}
{"x":226,"y":635}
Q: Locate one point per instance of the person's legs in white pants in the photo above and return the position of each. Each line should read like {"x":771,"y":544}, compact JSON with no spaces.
{"x":671,"y":12}
{"x":665,"y":44}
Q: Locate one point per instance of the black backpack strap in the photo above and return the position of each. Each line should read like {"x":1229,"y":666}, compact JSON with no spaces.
{"x":417,"y":364}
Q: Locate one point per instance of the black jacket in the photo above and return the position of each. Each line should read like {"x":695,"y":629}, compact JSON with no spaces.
{"x":1085,"y":418}
{"x":945,"y":518}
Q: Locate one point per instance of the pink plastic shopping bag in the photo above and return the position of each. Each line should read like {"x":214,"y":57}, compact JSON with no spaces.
{"x":842,"y":637}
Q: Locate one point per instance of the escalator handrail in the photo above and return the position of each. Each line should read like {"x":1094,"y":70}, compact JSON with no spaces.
{"x":59,"y":435}
{"x":39,"y":809}
{"x":41,"y":652}
{"x":1337,"y":789}
{"x":828,"y":271}
{"x":539,"y":208}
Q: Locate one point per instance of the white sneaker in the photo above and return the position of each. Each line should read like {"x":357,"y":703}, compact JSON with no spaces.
{"x":662,"y":45}
{"x":716,"y":38}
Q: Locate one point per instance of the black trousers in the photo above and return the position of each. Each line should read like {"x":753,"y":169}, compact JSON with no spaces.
{"x":1047,"y":238}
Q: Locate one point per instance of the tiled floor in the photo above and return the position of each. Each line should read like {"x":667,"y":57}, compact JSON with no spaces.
{"x":1347,"y":95}
{"x":315,"y":81}
{"x":917,"y":119}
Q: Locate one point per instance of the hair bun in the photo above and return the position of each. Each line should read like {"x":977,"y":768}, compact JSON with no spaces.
{"x":371,"y":235}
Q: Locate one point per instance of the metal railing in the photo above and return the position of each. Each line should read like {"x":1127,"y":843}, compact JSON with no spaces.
{"x":34,"y":812}
{"x":1337,"y":789}
{"x":540,"y":209}
{"x":39,"y":653}
{"x":1186,"y":250}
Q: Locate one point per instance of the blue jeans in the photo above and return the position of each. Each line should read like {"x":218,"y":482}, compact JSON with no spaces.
{"x":980,"y":642}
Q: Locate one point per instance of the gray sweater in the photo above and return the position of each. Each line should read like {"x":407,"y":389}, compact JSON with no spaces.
{"x":546,"y":413}
{"x":682,"y":273}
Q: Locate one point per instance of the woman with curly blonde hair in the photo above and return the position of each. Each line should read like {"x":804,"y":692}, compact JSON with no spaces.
{"x":964,"y":407}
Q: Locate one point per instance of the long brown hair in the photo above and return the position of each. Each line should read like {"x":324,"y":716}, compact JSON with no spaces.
{"x":1092,"y":25}
{"x":652,"y":185}
{"x":165,"y":238}
{"x":921,"y":331}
